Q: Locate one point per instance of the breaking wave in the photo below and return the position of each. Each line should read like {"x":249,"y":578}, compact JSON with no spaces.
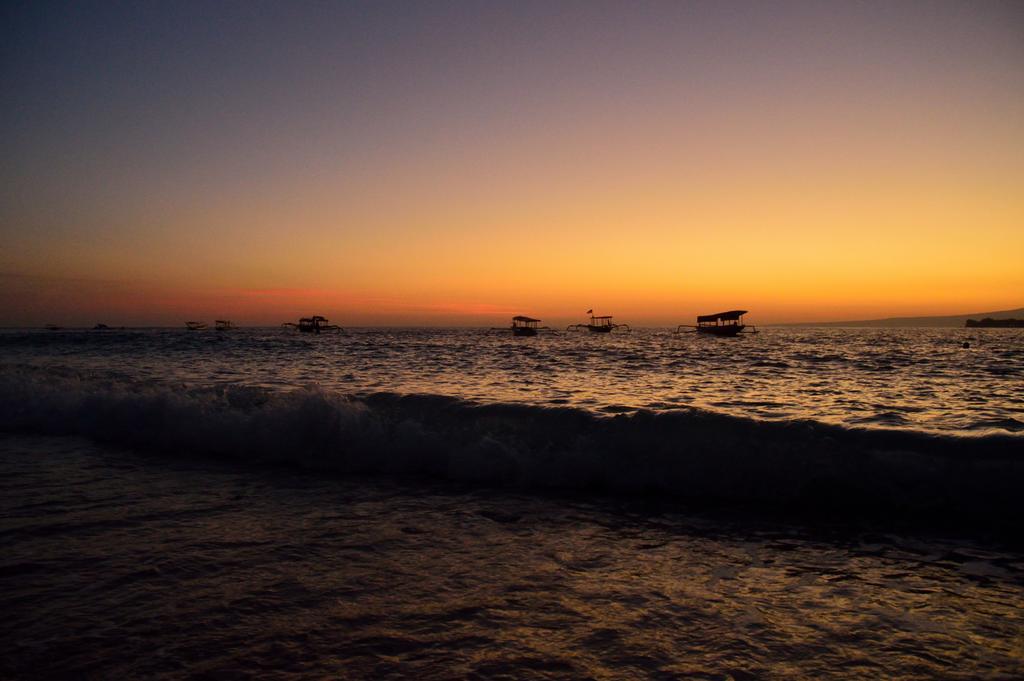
{"x":688,"y":455}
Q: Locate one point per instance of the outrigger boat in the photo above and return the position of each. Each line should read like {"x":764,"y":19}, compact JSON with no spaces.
{"x":223,"y":325}
{"x":602,"y":324}
{"x":195,"y":326}
{"x":523,"y":326}
{"x":728,"y":323}
{"x":315,"y":324}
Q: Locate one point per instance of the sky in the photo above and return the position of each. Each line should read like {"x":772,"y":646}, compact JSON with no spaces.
{"x":419,"y":163}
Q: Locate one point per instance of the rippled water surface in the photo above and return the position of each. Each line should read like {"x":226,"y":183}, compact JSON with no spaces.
{"x":120,"y":566}
{"x":919,"y":379}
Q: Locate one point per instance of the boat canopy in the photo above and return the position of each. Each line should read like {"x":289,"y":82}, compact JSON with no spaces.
{"x":521,"y":318}
{"x":730,"y":316}
{"x":607,"y":316}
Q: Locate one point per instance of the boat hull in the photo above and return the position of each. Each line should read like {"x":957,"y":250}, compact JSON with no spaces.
{"x":523,"y":331}
{"x":599,"y":329}
{"x":724,"y":330}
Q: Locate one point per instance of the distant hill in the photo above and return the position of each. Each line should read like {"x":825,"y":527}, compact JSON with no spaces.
{"x":949,"y":321}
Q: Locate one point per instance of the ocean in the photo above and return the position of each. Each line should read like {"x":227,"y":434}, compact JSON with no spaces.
{"x":458,"y":503}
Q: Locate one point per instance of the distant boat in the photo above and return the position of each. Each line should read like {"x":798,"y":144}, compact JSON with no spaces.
{"x":598,"y":324}
{"x":315,"y":324}
{"x":728,"y":323}
{"x":53,"y":327}
{"x":523,"y":326}
{"x":100,"y":327}
{"x":195,"y":326}
{"x":223,"y":325}
{"x":989,"y":323}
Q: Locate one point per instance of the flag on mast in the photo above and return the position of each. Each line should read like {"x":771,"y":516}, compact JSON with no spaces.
{"x":590,"y":311}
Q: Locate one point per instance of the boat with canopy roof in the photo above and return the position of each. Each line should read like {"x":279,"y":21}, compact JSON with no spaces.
{"x":598,"y":324}
{"x":523,"y":326}
{"x":726,"y":324}
{"x":315,"y":324}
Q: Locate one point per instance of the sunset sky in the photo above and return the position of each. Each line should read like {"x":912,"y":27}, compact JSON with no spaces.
{"x":457,"y":163}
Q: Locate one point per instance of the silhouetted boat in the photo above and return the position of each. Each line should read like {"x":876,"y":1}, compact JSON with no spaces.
{"x":53,"y":327}
{"x":990,"y":323}
{"x":223,"y":325}
{"x":728,"y":323}
{"x":100,"y":327}
{"x":602,"y":324}
{"x":195,"y":326}
{"x":314,"y":324}
{"x":523,"y":326}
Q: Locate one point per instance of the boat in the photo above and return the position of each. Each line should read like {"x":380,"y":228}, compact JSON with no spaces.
{"x":729,"y":323}
{"x":53,"y":327}
{"x":100,"y":327}
{"x":195,"y":326}
{"x":598,"y":324}
{"x":522,"y":326}
{"x":223,"y":325}
{"x":315,"y":324}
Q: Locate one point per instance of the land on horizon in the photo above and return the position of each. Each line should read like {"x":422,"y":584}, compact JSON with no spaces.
{"x":957,"y":320}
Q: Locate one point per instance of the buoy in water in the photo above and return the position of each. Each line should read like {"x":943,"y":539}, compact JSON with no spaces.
{"x":966,"y":345}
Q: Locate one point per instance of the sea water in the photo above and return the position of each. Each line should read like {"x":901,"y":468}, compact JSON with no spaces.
{"x":457,"y":503}
{"x":910,"y":379}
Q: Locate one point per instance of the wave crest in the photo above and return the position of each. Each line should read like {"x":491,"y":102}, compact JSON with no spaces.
{"x":690,"y":455}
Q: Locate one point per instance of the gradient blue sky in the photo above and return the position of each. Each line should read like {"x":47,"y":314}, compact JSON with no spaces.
{"x":457,"y":162}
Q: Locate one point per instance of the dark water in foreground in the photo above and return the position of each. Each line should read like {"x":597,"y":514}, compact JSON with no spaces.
{"x":118,"y":565}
